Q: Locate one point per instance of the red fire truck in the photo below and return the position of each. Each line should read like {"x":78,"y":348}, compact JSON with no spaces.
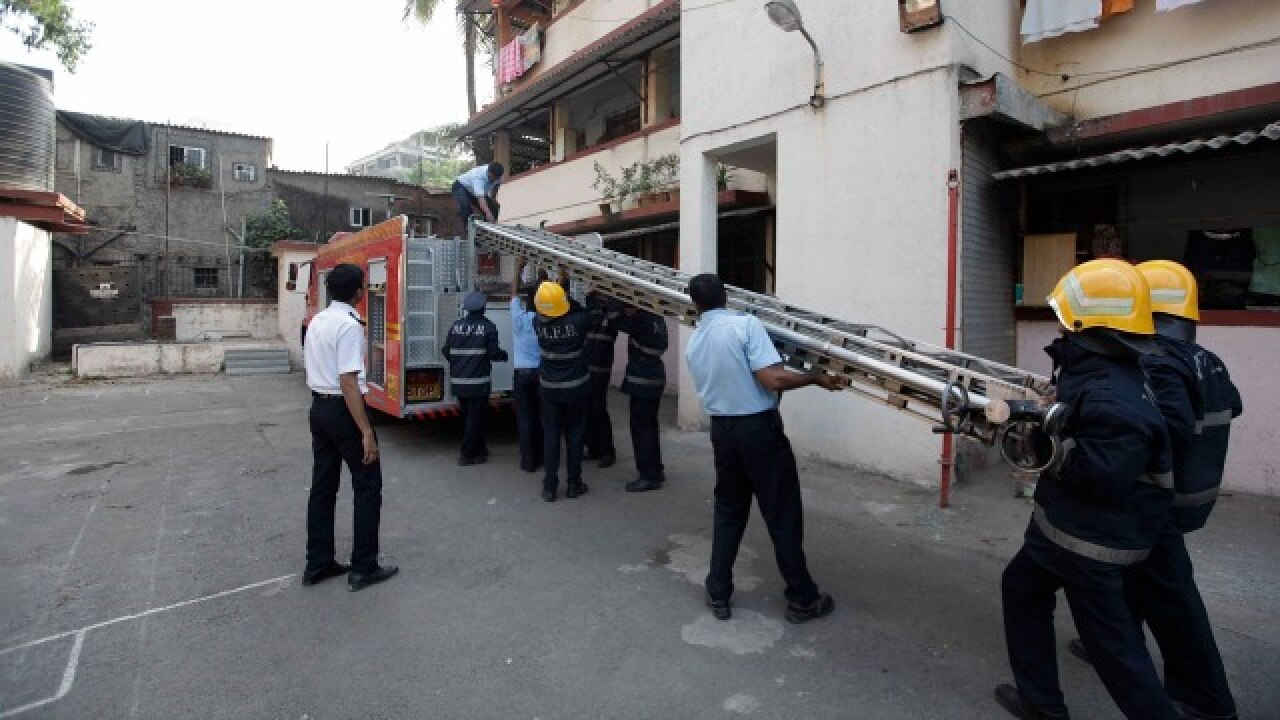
{"x":413,"y":293}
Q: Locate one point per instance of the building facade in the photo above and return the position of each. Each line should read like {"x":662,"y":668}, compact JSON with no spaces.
{"x":863,"y":181}
{"x":322,"y":204}
{"x":399,"y":160}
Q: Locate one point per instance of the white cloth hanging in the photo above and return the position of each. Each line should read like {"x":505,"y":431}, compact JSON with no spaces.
{"x":1050,"y":18}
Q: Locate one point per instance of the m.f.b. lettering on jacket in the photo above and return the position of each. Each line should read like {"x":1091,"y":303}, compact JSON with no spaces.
{"x":646,"y":342}
{"x":471,"y":349}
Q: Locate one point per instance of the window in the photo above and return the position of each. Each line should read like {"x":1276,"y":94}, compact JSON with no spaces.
{"x":183,"y":155}
{"x":386,"y":163}
{"x":621,"y":123}
{"x":361,"y":217}
{"x":244,"y":172}
{"x":205,"y":278}
{"x":105,"y":160}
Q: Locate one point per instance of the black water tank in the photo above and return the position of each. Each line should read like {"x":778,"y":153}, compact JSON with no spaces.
{"x":27,"y":127}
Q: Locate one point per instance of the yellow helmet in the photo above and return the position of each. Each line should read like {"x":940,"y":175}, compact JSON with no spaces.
{"x":1173,"y":289}
{"x":550,"y":300}
{"x":1103,"y":293}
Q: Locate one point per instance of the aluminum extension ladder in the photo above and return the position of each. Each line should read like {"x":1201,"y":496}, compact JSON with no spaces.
{"x":990,"y":402}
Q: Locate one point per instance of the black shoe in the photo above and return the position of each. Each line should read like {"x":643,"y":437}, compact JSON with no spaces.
{"x":549,"y":495}
{"x":1010,"y":699}
{"x":643,"y":485}
{"x":820,"y":607}
{"x":719,"y":608}
{"x":589,"y":455}
{"x":574,"y":490}
{"x":607,"y":461}
{"x":465,"y":461}
{"x":360,"y":581}
{"x":482,"y":459}
{"x":1075,"y":647}
{"x":529,"y":467}
{"x":311,"y":577}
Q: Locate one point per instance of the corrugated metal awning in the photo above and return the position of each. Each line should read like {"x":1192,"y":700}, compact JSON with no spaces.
{"x":1270,"y":132}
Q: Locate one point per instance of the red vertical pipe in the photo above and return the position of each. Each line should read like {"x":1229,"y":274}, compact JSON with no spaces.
{"x":953,"y":211}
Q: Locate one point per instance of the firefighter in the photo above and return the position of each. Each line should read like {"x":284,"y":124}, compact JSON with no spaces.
{"x":1099,"y":507}
{"x":646,"y":376}
{"x":471,"y":349}
{"x":528,"y":396}
{"x":562,"y":335}
{"x":602,"y":335}
{"x":1198,"y":401}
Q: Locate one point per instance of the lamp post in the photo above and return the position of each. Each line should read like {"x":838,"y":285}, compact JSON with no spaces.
{"x":786,"y":16}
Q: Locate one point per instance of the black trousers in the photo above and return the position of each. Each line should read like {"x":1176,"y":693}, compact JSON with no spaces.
{"x":644,"y":438}
{"x":562,"y":421}
{"x":599,"y":433}
{"x":528,"y":392}
{"x":464,"y":199}
{"x":474,"y":411}
{"x":753,"y":458}
{"x":335,"y":439}
{"x":1095,"y":594}
{"x":1162,"y":591}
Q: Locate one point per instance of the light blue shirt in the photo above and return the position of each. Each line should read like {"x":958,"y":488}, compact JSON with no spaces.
{"x":476,"y":180}
{"x":523,"y":336}
{"x":725,"y":351}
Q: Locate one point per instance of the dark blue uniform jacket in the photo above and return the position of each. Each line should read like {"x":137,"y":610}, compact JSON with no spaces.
{"x":471,"y":349}
{"x":646,"y":342}
{"x":562,"y":341}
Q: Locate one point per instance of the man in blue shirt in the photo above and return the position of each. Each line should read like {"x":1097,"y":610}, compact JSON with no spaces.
{"x":528,"y":394}
{"x":738,"y":374}
{"x":478,"y":187}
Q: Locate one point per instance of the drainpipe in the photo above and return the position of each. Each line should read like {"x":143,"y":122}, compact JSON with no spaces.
{"x":945,"y":458}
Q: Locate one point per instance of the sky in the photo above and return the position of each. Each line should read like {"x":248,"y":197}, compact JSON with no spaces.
{"x":303,"y":72}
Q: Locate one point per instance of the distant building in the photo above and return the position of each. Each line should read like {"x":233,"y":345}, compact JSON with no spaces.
{"x":399,"y":159}
{"x":321,"y":205}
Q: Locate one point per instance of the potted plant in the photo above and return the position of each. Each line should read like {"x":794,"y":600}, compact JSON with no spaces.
{"x":644,"y":187}
{"x":610,"y":190}
{"x":724,"y":176}
{"x":668,"y":177}
{"x":629,"y":184}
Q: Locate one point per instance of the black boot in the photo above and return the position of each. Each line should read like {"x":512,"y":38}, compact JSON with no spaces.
{"x":1010,"y":699}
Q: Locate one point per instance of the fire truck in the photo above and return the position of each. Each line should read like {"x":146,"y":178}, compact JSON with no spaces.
{"x":413,"y":292}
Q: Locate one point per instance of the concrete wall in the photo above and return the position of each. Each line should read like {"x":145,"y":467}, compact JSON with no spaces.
{"x":104,"y":360}
{"x":321,"y":205}
{"x":1145,"y":37}
{"x":860,"y":185}
{"x":198,"y":321}
{"x":1249,"y":353}
{"x":26,"y":297}
{"x":587,"y":22}
{"x":562,"y":192}
{"x":134,"y":194}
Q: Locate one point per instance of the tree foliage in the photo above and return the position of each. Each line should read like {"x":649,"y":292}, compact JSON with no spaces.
{"x":275,"y":224}
{"x":454,"y":157}
{"x":48,"y":23}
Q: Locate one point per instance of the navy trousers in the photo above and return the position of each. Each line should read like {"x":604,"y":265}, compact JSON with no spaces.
{"x":474,"y":410}
{"x":1162,"y":591}
{"x":754,"y":459}
{"x":528,"y":395}
{"x":1095,"y":594}
{"x":599,"y":434}
{"x":645,"y":439}
{"x":562,"y":421}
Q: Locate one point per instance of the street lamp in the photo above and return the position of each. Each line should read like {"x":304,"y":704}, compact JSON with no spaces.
{"x":786,"y":16}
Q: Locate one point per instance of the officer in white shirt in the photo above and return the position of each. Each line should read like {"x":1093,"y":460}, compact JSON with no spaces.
{"x":478,"y":187}
{"x":340,"y":431}
{"x":738,"y":374}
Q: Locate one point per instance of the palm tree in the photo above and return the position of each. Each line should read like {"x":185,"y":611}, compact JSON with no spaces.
{"x":422,"y":11}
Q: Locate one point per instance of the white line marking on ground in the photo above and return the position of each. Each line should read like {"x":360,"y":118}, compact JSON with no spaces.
{"x":68,"y":679}
{"x":146,"y":613}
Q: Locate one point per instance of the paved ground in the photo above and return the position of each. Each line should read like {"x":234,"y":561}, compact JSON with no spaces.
{"x":151,"y":532}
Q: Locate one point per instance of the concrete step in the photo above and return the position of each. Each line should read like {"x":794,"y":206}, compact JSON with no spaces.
{"x":256,"y":361}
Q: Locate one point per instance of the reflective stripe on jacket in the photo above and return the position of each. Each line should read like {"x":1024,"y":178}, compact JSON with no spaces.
{"x":471,"y":348}
{"x":563,"y":369}
{"x":646,"y":342}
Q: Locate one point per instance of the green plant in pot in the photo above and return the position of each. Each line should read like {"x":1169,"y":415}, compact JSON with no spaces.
{"x":611,"y":191}
{"x":667,"y":174}
{"x":644,"y":184}
{"x":724,"y":176}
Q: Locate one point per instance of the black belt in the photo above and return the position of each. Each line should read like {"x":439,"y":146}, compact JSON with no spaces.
{"x":731,"y":420}
{"x":325,"y":396}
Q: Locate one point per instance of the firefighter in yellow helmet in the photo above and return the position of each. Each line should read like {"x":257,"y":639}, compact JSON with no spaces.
{"x":1099,"y":507}
{"x":561,"y":327}
{"x":1198,"y":401}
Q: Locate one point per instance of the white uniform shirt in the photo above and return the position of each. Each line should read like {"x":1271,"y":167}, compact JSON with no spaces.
{"x":334,"y":346}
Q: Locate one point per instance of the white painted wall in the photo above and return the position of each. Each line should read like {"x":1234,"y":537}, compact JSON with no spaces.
{"x":195,"y":322}
{"x":860,"y":186}
{"x":26,"y":297}
{"x":1249,"y":353}
{"x":563,"y":192}
{"x":291,"y":306}
{"x":586,"y":23}
{"x":1145,"y":37}
{"x":99,"y":360}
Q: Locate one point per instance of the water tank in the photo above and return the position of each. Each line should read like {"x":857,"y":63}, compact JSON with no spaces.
{"x":27,"y":127}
